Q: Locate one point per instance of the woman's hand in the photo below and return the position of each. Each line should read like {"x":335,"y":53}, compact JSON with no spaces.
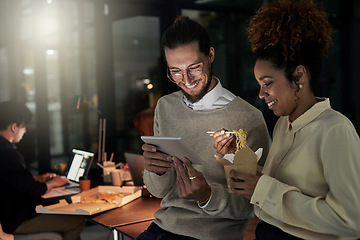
{"x":224,"y":143}
{"x":243,"y":184}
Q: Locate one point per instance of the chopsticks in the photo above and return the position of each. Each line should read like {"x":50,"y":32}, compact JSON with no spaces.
{"x":212,"y":133}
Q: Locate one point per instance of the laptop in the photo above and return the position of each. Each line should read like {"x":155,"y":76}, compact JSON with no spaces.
{"x":136,"y":167}
{"x":76,"y":168}
{"x":78,"y":165}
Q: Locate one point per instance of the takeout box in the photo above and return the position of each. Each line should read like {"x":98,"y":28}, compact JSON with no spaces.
{"x":244,"y":161}
{"x":77,"y":207}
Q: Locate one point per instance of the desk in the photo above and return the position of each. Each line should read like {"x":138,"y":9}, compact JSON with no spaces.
{"x":133,"y":230}
{"x":137,"y":211}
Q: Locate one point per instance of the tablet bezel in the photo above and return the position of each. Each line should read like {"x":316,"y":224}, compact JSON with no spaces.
{"x":174,"y":146}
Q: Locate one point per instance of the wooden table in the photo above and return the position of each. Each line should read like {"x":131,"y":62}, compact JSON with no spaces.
{"x":133,"y":230}
{"x":130,"y":219}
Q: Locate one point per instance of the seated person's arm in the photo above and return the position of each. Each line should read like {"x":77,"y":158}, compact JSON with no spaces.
{"x":44,"y":177}
{"x":5,"y":236}
{"x":57,"y":181}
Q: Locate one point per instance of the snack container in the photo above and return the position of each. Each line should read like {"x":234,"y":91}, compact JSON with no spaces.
{"x":77,"y":207}
{"x":244,"y":161}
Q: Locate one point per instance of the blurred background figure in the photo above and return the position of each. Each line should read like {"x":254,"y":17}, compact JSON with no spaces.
{"x":21,"y":191}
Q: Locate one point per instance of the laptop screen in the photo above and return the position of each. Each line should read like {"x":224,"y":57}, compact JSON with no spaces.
{"x":79,"y":164}
{"x":136,"y":167}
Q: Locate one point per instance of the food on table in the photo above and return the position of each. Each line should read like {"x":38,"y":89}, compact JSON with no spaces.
{"x":109,"y":197}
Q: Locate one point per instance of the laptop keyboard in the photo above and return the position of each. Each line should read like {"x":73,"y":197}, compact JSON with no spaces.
{"x":61,"y":191}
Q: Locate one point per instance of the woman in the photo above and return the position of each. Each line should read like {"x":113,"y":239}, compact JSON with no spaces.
{"x":310,"y":188}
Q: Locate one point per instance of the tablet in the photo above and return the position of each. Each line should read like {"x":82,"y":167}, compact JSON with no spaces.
{"x":174,"y":146}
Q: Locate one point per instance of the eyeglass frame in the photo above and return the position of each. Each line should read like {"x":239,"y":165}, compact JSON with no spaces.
{"x":182,"y":72}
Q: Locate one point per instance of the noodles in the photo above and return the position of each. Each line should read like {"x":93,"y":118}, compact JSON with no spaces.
{"x":240,"y":139}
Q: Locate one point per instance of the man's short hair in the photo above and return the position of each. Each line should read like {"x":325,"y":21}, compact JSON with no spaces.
{"x":14,"y":112}
{"x":184,"y":31}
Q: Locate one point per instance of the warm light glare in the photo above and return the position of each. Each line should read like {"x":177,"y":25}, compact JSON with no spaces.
{"x":28,"y":71}
{"x":50,"y":52}
{"x":150,"y":86}
{"x":106,"y":9}
{"x":49,"y":25}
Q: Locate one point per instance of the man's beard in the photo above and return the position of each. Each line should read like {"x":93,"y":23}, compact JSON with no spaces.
{"x":199,"y":96}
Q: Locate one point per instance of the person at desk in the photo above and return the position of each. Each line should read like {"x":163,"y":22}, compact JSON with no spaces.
{"x":310,"y":187}
{"x":21,"y":191}
{"x":197,"y":205}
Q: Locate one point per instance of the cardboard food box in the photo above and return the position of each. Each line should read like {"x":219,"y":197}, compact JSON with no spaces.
{"x":244,"y":161}
{"x":95,"y":200}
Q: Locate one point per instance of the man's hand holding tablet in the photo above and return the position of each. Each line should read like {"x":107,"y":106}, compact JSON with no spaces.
{"x":174,"y":146}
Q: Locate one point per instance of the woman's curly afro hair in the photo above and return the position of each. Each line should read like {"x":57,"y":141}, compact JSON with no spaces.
{"x":287,"y":25}
{"x":291,"y":33}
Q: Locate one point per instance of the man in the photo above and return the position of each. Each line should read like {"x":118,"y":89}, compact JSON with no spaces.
{"x":196,"y":203}
{"x":20,"y":191}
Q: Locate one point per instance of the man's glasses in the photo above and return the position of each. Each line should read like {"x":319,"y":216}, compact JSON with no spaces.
{"x":192,"y":72}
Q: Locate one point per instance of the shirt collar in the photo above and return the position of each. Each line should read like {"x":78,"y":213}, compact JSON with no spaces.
{"x":208,"y":100}
{"x":6,"y":144}
{"x":308,"y":116}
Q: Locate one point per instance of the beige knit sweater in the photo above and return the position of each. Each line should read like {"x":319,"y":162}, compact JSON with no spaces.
{"x":225,"y":217}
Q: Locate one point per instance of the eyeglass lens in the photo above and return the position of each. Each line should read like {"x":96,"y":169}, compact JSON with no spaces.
{"x":192,"y":73}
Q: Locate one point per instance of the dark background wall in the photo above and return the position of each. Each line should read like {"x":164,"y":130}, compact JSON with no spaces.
{"x":108,"y":53}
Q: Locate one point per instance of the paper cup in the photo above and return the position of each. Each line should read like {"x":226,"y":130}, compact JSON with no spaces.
{"x":108,"y":167}
{"x":84,"y":184}
{"x":116,"y":177}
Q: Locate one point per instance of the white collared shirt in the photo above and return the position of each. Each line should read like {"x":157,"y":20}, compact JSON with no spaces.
{"x":216,"y":98}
